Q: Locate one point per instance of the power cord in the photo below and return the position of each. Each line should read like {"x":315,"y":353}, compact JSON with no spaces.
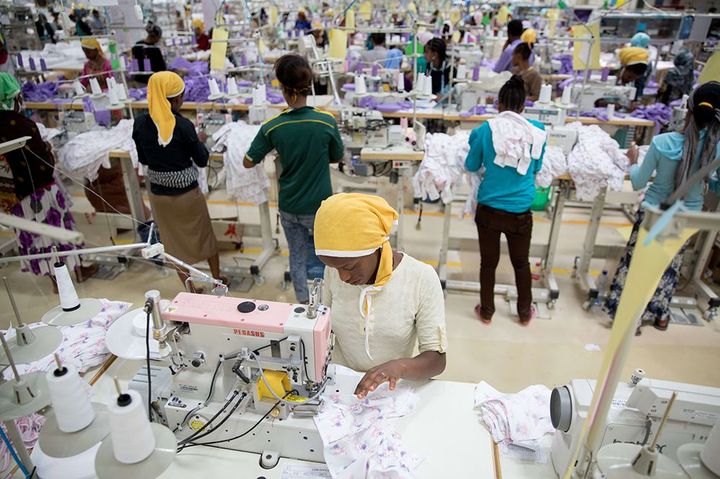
{"x":148,"y":310}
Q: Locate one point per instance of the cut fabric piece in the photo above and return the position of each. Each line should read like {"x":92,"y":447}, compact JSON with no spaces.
{"x":83,"y":344}
{"x":516,"y":141}
{"x":360,"y":442}
{"x":596,"y":162}
{"x":554,"y":165}
{"x":443,"y":166}
{"x":521,"y":419}
{"x":87,"y":152}
{"x":243,"y":184}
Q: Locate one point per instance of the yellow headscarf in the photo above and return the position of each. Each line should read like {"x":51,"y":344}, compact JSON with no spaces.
{"x":197,"y":23}
{"x":529,"y":36}
{"x":92,"y":44}
{"x":351,"y":225}
{"x":633,"y":55}
{"x":163,"y":85}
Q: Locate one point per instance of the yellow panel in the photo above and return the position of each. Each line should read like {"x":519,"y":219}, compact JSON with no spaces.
{"x":278,"y":381}
{"x":338,"y":44}
{"x":711,"y":72}
{"x":581,"y":50}
{"x":350,"y":19}
{"x":365,"y":11}
{"x":218,"y":49}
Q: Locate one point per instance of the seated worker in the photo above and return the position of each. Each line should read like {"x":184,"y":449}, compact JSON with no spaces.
{"x":671,"y":159}
{"x":438,"y":66}
{"x":642,"y":40}
{"x":384,"y":302}
{"x":514,"y":31}
{"x":679,"y":80}
{"x":510,"y":148}
{"x":530,"y":76}
{"x":149,"y":48}
{"x":307,"y":140}
{"x":96,"y":65}
{"x":201,"y":38}
{"x":634,"y":63}
{"x":378,"y":53}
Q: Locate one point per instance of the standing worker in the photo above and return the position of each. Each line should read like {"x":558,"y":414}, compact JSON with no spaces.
{"x":671,"y":159}
{"x":511,"y":150}
{"x":307,"y":141}
{"x":149,"y":49}
{"x":679,"y":80}
{"x":514,"y":31}
{"x":167,"y":143}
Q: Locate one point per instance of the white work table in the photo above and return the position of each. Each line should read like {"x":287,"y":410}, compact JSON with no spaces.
{"x":444,"y":429}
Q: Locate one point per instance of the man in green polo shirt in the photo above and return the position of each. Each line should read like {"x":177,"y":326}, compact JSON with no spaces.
{"x":307,"y":140}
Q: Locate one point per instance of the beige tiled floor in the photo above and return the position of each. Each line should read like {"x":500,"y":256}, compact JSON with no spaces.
{"x":505,"y":354}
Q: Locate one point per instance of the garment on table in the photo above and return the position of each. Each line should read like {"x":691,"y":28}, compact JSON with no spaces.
{"x":409,"y":309}
{"x":83,"y":344}
{"x":595,"y":162}
{"x":27,"y":172}
{"x":533,"y":82}
{"x":172,"y":169}
{"x":554,"y":165}
{"x":307,"y":140}
{"x":443,"y":166}
{"x":48,"y":134}
{"x":184,"y":224}
{"x":243,"y":184}
{"x":658,"y":309}
{"x":358,"y":436}
{"x":517,"y":228}
{"x":521,"y":419}
{"x":87,"y":152}
{"x":516,"y":141}
{"x":501,"y":188}
{"x":660,"y":164}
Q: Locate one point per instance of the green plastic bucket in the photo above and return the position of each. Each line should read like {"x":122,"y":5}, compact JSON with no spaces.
{"x":542,"y":198}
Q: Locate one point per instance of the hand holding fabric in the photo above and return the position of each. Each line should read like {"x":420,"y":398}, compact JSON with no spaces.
{"x":389,"y":372}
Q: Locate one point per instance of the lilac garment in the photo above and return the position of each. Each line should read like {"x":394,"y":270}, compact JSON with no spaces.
{"x":601,"y":114}
{"x":193,"y":68}
{"x":138,"y":94}
{"x":197,"y":89}
{"x":566,"y":64}
{"x":39,"y":91}
{"x":657,"y":112}
{"x":476,"y":110}
{"x":358,"y":436}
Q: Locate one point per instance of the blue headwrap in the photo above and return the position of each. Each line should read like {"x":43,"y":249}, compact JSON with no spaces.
{"x":640,"y":39}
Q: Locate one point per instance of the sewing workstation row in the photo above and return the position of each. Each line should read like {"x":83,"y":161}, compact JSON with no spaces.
{"x":243,"y":238}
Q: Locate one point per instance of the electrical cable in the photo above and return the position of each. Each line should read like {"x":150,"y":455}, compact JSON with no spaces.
{"x":148,"y":309}
{"x":222,"y":410}
{"x":269,"y":345}
{"x":207,"y":399}
{"x":189,"y":440}
{"x":249,"y":430}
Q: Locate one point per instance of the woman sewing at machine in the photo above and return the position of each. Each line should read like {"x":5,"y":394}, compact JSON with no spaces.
{"x":28,"y":188}
{"x":671,"y":159}
{"x":384,"y":302}
{"x":510,"y":148}
{"x":202,"y":40}
{"x":531,"y":77}
{"x":438,"y":66}
{"x":633,"y":64}
{"x":307,"y":141}
{"x":167,"y":143}
{"x":96,"y":66}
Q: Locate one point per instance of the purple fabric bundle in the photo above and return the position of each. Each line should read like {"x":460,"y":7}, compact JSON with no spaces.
{"x":566,"y":64}
{"x":138,"y":94}
{"x":197,"y":89}
{"x":39,"y":91}
{"x":193,"y":68}
{"x":476,"y":110}
{"x":657,"y":112}
{"x":393,"y":107}
{"x":601,"y":114}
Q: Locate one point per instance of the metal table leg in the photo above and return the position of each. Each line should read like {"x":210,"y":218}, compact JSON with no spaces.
{"x":549,"y":259}
{"x":583,"y":267}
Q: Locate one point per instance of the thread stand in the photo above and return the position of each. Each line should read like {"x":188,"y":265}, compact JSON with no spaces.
{"x":89,"y":307}
{"x":30,"y":344}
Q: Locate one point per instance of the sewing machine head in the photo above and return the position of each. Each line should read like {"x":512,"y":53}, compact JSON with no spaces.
{"x":594,"y":91}
{"x":273,"y":348}
{"x":635,"y":416}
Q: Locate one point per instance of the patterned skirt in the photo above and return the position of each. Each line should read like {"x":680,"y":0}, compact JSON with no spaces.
{"x":659,"y":306}
{"x":50,"y":205}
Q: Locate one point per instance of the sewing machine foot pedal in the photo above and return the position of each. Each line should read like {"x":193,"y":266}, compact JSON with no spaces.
{"x":269,"y":459}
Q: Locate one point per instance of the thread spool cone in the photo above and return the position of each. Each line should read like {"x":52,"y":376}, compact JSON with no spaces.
{"x":71,"y":399}
{"x":69,"y":300}
{"x":58,"y":444}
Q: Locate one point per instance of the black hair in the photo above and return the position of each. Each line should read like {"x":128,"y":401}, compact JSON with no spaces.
{"x":378,"y":39}
{"x":294,"y":74}
{"x":524,"y":50}
{"x":637,"y":68}
{"x":438,"y":46}
{"x":512,"y":94}
{"x":706,"y":103}
{"x":515,"y":28}
{"x":153,"y":29}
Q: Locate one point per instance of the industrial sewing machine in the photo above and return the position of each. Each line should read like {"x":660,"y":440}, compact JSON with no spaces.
{"x":587,"y":95}
{"x":75,"y":122}
{"x":247,"y":360}
{"x":475,"y":92}
{"x":635,"y":415}
{"x":368,"y":128}
{"x":563,"y":137}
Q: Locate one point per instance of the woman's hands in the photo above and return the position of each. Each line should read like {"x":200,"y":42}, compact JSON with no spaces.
{"x":390,"y":371}
{"x":632,"y":155}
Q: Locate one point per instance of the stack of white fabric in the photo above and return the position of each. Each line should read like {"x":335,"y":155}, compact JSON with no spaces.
{"x":243,"y":184}
{"x":520,"y":423}
{"x":87,"y":152}
{"x":443,"y":166}
{"x":554,"y":164}
{"x":516,"y":141}
{"x":46,"y":133}
{"x":596,"y":162}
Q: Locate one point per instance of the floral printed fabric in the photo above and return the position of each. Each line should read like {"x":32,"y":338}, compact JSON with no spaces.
{"x":521,"y":419}
{"x":29,"y":427}
{"x":359,"y":440}
{"x":83,"y":344}
{"x":658,"y":309}
{"x":49,"y":205}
